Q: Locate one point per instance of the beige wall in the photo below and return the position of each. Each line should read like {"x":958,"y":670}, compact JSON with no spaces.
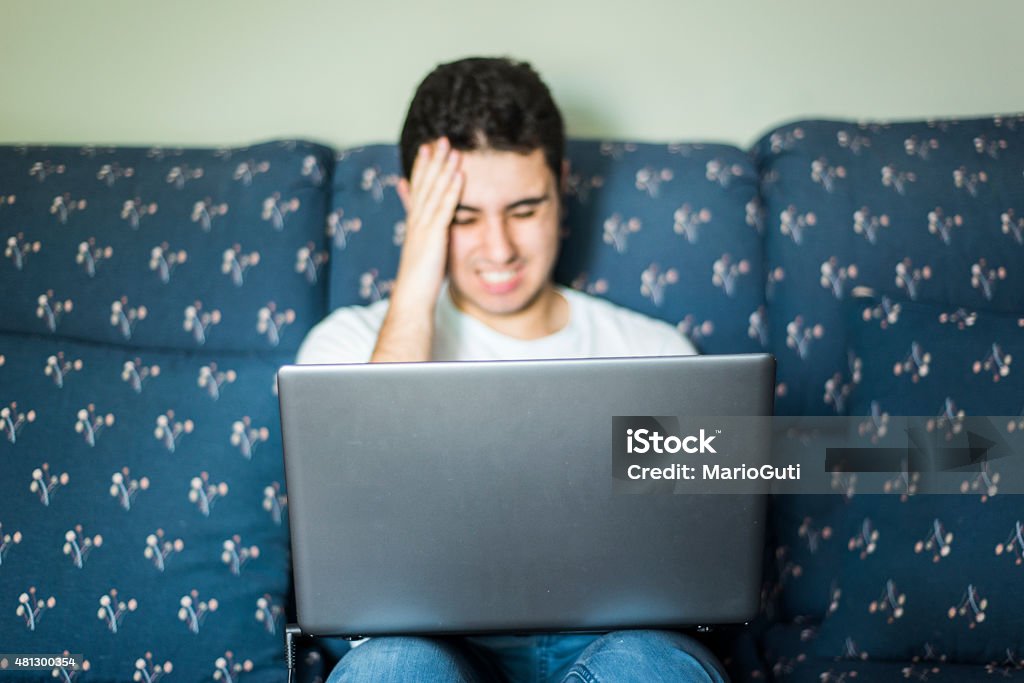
{"x":237,"y":71}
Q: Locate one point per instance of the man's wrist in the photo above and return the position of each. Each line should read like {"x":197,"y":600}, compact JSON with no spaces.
{"x":412,"y":302}
{"x":406,"y":333}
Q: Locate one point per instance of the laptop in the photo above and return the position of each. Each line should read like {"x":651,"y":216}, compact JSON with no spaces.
{"x":476,"y":497}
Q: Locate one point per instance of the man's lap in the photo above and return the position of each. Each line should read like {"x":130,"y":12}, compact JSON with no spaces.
{"x":620,"y":656}
{"x":535,"y":657}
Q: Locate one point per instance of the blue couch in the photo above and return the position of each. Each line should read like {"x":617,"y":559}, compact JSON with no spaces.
{"x":148,"y":296}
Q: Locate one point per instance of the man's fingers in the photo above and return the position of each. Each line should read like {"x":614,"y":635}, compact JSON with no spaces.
{"x":431,"y":202}
{"x":451,"y":197}
{"x":442,"y":207}
{"x":433,"y":164}
{"x":439,"y":221}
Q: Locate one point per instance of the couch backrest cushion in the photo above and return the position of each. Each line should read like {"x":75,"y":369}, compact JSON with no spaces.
{"x":932,"y":212}
{"x":672,"y":231}
{"x":184,"y":249}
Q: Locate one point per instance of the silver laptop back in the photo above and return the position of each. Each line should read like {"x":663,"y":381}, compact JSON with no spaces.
{"x":477,"y":497}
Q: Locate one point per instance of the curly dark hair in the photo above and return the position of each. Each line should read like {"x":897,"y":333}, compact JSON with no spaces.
{"x":484,"y":103}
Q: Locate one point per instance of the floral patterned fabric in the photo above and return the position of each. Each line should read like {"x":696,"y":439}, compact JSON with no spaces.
{"x":149,"y":298}
{"x":929,"y":572}
{"x":786,"y":648}
{"x":946,"y":361}
{"x":928,"y":212}
{"x":164,"y":248}
{"x":925,"y":216}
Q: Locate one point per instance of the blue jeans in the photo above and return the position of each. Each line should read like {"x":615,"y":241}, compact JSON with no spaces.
{"x":617,"y":657}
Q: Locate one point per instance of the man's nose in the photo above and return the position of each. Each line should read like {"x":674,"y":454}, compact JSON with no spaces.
{"x":497,"y":241}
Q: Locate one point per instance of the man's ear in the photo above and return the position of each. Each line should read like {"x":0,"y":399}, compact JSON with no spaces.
{"x":403,"y":192}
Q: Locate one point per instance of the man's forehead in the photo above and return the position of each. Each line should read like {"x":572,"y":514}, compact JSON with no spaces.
{"x":496,"y":178}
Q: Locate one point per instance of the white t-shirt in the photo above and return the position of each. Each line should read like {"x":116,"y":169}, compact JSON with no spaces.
{"x":596,"y":329}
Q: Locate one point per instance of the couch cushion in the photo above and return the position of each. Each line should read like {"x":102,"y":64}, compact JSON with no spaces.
{"x":142,"y":504}
{"x":933,"y":570}
{"x":789,"y":649}
{"x":923,"y":211}
{"x":927,"y":211}
{"x":936,"y":575}
{"x":150,"y":479}
{"x":164,"y":248}
{"x":672,"y":231}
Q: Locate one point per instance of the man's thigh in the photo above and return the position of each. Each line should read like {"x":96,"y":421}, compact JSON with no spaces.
{"x":646,"y":657}
{"x":401,"y":658}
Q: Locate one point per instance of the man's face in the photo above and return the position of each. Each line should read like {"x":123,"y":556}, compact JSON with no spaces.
{"x":504,"y":239}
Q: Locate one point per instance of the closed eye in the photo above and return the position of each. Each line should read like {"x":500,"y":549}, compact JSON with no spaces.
{"x":523,"y":214}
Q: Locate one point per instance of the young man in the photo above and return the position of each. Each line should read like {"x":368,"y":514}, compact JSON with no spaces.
{"x":482,"y":153}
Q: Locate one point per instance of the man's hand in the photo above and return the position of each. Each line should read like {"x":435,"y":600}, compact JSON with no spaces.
{"x":430,"y":202}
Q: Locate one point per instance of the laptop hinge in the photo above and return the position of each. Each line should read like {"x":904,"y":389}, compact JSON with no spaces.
{"x":291,"y":632}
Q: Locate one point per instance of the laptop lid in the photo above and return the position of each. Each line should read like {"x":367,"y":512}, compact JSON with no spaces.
{"x":476,"y":497}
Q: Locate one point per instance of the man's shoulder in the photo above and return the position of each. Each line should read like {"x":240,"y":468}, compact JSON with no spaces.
{"x":636,"y":330}
{"x":602,"y":308}
{"x":346,"y":335}
{"x":370,"y":314}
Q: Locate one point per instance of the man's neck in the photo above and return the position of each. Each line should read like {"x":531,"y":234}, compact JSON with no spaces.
{"x":547,"y":314}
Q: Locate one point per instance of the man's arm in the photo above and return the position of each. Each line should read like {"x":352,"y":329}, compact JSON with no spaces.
{"x":346,"y":335}
{"x":408,"y":328}
{"x":679,"y":345}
